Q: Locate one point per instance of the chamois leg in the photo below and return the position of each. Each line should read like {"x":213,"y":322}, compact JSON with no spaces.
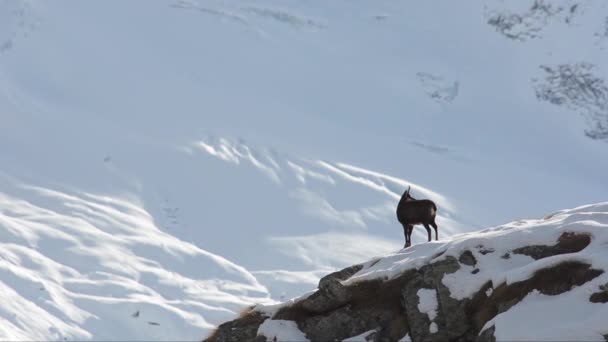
{"x":435,"y":227}
{"x":428,"y":230}
{"x":410,"y":229}
{"x":407,"y":240}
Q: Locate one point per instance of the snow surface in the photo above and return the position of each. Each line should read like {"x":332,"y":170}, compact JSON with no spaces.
{"x":535,"y":317}
{"x":280,"y":330}
{"x":360,"y":337}
{"x":428,"y":305}
{"x":160,"y":173}
{"x":406,"y":338}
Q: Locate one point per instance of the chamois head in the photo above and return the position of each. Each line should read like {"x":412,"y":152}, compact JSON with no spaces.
{"x":407,"y":195}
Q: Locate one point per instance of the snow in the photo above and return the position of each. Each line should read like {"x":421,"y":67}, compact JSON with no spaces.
{"x":194,"y":158}
{"x":428,"y":305}
{"x":406,"y":338}
{"x":360,"y":337}
{"x":280,"y":330}
{"x":103,"y":262}
{"x":269,"y":310}
{"x":535,"y":317}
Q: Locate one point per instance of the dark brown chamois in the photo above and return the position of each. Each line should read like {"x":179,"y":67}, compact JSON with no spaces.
{"x":411,"y":211}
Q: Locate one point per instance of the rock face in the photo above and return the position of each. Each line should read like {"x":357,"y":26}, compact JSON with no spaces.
{"x":391,"y":308}
{"x":245,"y":328}
{"x":422,"y":301}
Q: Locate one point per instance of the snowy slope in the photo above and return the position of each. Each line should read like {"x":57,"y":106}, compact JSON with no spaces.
{"x":183,"y":159}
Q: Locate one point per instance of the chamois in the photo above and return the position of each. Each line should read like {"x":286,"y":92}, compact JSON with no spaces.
{"x":411,"y":211}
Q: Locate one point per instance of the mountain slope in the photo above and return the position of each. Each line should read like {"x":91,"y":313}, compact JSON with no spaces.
{"x":174,"y":161}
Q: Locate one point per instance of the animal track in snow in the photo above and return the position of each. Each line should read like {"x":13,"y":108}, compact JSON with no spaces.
{"x":438,"y":88}
{"x":245,"y":15}
{"x":284,"y":17}
{"x":16,"y":21}
{"x":220,"y":13}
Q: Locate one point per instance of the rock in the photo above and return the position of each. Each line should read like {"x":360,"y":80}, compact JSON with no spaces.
{"x":487,"y":335}
{"x":483,"y":250}
{"x":372,"y":306}
{"x":245,"y":328}
{"x":467,"y":258}
{"x":391,"y":309}
{"x":449,"y":326}
{"x":601,"y":296}
{"x":567,"y":243}
{"x":340,"y":275}
{"x":331,"y":293}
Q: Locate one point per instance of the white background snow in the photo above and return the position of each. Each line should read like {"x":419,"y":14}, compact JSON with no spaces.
{"x":165,"y":163}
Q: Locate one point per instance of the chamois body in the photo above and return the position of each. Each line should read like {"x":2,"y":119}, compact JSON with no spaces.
{"x":411,"y":211}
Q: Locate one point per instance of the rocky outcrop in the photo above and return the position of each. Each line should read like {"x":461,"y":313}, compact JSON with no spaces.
{"x":392,"y":308}
{"x":332,"y":293}
{"x":245,"y":328}
{"x":419,"y":303}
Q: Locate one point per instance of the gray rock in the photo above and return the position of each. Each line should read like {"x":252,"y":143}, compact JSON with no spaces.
{"x":330,"y":296}
{"x":451,"y":316}
{"x":567,"y":243}
{"x":487,"y":335}
{"x":340,"y":275}
{"x":331,"y":293}
{"x":467,"y":258}
{"x":601,"y":296}
{"x":245,"y":328}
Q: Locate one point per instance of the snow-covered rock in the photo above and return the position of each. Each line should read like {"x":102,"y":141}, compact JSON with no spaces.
{"x":511,"y":282}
